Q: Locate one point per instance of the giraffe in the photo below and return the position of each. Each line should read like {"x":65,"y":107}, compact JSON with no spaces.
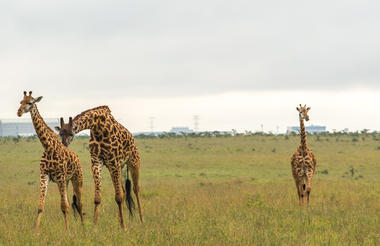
{"x":113,"y":146}
{"x":303,"y":161}
{"x":58,"y":163}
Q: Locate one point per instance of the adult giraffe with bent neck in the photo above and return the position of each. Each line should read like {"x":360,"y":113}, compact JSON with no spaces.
{"x":303,"y":161}
{"x":58,"y":163}
{"x":111,"y":145}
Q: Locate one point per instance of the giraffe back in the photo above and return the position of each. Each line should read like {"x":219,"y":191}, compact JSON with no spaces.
{"x":110,"y":139}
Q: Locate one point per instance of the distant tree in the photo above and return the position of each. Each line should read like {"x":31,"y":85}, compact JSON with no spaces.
{"x":364,"y":131}
{"x":184,"y":134}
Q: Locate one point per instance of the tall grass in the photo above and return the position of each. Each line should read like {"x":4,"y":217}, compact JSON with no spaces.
{"x":206,"y":191}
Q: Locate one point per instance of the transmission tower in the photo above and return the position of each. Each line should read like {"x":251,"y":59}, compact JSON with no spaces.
{"x":151,"y":123}
{"x":196,"y":122}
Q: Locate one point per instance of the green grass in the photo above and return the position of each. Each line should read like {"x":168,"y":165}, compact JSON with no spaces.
{"x":207,"y":191}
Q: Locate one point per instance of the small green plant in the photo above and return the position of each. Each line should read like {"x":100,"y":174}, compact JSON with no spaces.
{"x":325,"y":172}
{"x":16,"y":139}
{"x":352,"y":171}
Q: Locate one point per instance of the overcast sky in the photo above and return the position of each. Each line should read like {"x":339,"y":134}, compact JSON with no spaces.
{"x":236,"y":64}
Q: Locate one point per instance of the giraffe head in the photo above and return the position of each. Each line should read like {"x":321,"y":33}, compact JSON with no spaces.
{"x":66,"y":131}
{"x":27,"y":103}
{"x":303,"y":110}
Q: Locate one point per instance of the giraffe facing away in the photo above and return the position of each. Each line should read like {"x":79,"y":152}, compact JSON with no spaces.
{"x":303,"y":160}
{"x":58,"y":163}
{"x":113,"y":146}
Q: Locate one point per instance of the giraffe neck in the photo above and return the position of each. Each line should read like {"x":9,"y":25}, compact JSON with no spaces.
{"x":44,"y":132}
{"x":92,"y":119}
{"x":302,"y":133}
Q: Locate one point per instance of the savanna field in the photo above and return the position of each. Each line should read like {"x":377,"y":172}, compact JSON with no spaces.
{"x":206,"y":191}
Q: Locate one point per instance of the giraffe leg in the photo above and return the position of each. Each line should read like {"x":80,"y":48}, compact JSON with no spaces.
{"x":308,"y":184}
{"x":135,"y":173}
{"x":44,"y":180}
{"x":77,"y":201}
{"x":298,"y":191}
{"x":299,"y":194}
{"x":96,"y":171}
{"x":301,"y":191}
{"x":115,"y":172}
{"x":64,"y":203}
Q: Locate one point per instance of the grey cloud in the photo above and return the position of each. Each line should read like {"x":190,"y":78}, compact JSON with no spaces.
{"x":111,"y":48}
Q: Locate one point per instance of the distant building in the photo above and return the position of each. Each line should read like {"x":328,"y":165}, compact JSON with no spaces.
{"x":22,"y":127}
{"x":309,"y":129}
{"x":179,"y":130}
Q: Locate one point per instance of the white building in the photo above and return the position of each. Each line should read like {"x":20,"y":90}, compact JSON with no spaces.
{"x":22,"y":127}
{"x":179,"y":130}
{"x":309,"y":129}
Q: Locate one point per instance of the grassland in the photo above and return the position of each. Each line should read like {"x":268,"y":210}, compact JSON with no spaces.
{"x":207,"y":191}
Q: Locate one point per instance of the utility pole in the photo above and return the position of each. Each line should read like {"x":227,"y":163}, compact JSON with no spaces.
{"x":196,"y":123}
{"x":151,"y":123}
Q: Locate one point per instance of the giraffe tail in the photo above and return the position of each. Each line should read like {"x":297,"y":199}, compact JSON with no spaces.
{"x":306,"y":184}
{"x":128,"y":197}
{"x":74,"y":205}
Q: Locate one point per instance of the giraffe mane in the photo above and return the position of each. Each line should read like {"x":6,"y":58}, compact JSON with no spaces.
{"x":105,"y":107}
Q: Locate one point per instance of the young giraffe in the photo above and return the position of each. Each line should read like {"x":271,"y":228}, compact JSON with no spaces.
{"x":303,"y":160}
{"x":112,"y":145}
{"x":58,"y":163}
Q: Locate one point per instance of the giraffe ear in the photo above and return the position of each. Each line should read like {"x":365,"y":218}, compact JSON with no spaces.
{"x":37,"y":99}
{"x":308,"y":108}
{"x":57,"y":128}
{"x":298,"y":109}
